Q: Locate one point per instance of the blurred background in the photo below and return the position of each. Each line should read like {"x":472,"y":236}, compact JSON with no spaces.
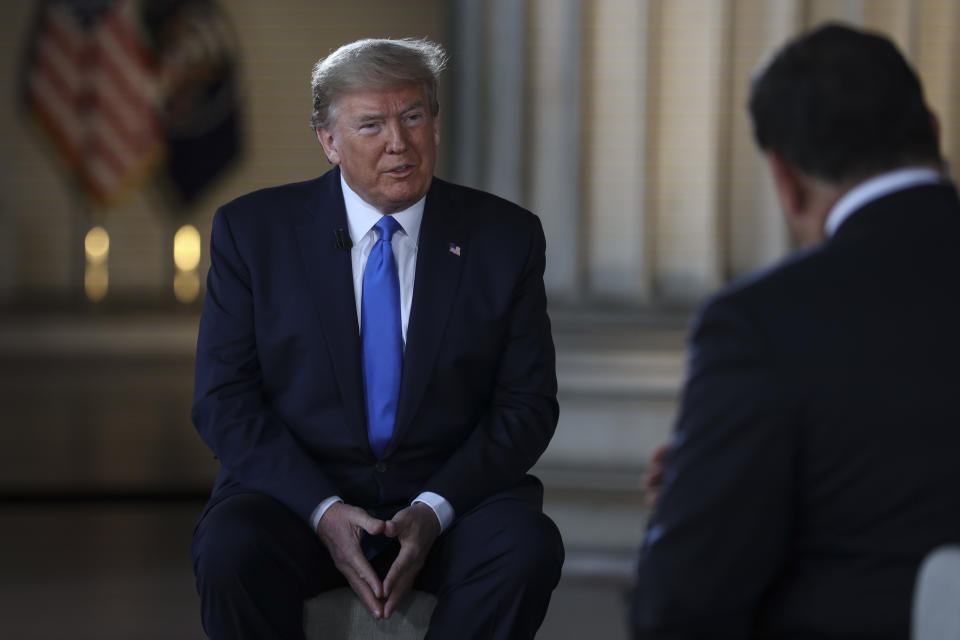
{"x":621,"y":123}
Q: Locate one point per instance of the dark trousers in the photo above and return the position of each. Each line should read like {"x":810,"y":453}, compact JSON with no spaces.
{"x":493,"y":570}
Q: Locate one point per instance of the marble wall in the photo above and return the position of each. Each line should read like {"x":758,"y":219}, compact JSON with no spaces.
{"x":639,"y":156}
{"x":620,"y":122}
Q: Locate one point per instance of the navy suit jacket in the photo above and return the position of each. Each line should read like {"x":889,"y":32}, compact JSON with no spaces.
{"x":279,"y":391}
{"x":817,"y":452}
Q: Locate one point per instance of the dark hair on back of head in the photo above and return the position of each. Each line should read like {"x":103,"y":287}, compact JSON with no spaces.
{"x":842,"y":104}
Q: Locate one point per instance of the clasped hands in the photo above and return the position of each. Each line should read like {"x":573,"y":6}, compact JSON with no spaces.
{"x":415,"y":528}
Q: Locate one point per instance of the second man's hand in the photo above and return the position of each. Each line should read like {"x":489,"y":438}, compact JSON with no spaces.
{"x":341,"y":529}
{"x":415,"y":528}
{"x":653,"y":478}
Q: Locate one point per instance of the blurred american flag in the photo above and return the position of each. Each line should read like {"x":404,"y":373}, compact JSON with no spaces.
{"x":91,"y":82}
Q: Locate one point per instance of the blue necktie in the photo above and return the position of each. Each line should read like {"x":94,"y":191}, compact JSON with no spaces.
{"x":382,"y":337}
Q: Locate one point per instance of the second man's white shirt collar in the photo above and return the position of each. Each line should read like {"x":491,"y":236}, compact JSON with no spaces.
{"x":361,"y":215}
{"x":875,"y":188}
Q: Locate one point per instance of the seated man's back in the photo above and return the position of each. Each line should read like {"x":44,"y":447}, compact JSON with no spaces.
{"x":814,"y":462}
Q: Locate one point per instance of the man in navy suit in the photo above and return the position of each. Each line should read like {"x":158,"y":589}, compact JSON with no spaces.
{"x":376,"y":374}
{"x":814,"y":461}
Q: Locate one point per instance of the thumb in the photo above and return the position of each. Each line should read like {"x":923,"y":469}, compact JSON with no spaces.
{"x":391,"y":528}
{"x":368,"y":523}
{"x":396,"y":525}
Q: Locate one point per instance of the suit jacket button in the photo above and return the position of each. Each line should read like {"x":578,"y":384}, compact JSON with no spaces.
{"x":381,"y":467}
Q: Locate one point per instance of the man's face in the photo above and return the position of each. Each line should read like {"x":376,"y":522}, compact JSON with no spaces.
{"x":385,"y":143}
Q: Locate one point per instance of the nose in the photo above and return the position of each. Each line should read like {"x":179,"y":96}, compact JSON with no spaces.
{"x":396,"y":137}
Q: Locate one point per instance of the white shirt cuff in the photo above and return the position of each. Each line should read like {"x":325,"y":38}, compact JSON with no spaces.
{"x":322,"y":509}
{"x":440,"y":506}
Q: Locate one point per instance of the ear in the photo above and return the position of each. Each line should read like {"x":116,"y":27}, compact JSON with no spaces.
{"x":436,"y":131}
{"x":789,"y":184}
{"x":329,"y":144}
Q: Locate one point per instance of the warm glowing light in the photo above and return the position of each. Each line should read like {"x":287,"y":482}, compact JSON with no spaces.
{"x":95,"y":281}
{"x":186,"y":286}
{"x":186,"y":248}
{"x":97,"y":245}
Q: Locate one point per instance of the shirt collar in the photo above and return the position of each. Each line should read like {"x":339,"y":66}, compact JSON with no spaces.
{"x":361,"y":215}
{"x":875,"y":188}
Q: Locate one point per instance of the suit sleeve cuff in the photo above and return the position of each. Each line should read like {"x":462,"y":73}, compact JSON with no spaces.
{"x":322,"y":509}
{"x":440,"y":506}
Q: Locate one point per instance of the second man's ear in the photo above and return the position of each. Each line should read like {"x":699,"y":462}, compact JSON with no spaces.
{"x":789,"y":184}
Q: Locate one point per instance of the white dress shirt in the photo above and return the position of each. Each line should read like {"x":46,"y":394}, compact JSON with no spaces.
{"x":875,"y":188}
{"x":361,"y":218}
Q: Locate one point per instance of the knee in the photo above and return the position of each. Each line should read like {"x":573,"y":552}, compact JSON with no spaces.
{"x":535,"y":551}
{"x":218,"y":550}
{"x":229,"y":546}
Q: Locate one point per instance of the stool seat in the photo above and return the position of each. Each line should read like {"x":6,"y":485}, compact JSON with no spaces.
{"x":339,"y":614}
{"x":936,"y":596}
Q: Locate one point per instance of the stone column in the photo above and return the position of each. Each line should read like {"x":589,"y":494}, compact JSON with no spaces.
{"x":619,"y":248}
{"x":554,"y":122}
{"x":467,"y":70}
{"x":689,"y":112}
{"x":757,"y":233}
{"x":505,"y":99}
{"x":935,"y":60}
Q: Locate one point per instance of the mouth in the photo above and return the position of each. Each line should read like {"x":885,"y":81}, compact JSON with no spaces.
{"x":401,"y":171}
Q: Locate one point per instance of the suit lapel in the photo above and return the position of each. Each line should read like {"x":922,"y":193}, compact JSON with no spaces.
{"x":330,"y":273}
{"x":434,"y":291}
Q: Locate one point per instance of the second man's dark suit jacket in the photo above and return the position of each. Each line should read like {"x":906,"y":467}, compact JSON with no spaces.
{"x":279,"y":390}
{"x":817,"y":452}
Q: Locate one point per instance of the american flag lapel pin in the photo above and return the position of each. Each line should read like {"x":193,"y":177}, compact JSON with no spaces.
{"x":455,"y":249}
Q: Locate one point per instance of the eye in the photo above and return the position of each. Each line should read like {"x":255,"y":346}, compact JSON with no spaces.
{"x":414,"y":118}
{"x":368,"y":127}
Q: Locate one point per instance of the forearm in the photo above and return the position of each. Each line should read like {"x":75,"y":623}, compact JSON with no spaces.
{"x":522,"y":413}
{"x":230,"y":412}
{"x":719,"y":534}
{"x":257,"y":449}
